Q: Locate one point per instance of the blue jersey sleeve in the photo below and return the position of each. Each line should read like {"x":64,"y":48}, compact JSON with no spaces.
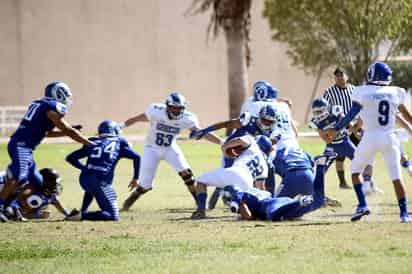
{"x":74,"y":157}
{"x":129,"y":153}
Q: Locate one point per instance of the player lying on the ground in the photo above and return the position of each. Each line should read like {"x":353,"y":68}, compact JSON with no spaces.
{"x":254,"y":204}
{"x":31,"y":200}
{"x":249,"y":168}
{"x":41,"y":118}
{"x":166,"y":122}
{"x":377,"y":103}
{"x":295,"y":167}
{"x":97,"y":174}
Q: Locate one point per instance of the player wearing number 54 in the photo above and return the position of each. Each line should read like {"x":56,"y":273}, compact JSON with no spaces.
{"x":166,"y":121}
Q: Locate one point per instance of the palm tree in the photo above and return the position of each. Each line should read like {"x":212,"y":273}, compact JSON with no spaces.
{"x":233,"y":17}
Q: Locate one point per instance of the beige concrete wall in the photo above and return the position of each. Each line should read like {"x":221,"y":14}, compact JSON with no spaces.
{"x":120,"y":55}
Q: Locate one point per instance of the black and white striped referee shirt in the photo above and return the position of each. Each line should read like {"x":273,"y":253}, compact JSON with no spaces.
{"x":336,"y":95}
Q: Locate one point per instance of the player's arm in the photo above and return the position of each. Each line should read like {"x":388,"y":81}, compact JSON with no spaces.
{"x":129,"y":153}
{"x":59,"y":133}
{"x":232,"y":124}
{"x":287,"y":101}
{"x":213,"y":138}
{"x":405,"y":113}
{"x":58,"y":205}
{"x":66,"y":128}
{"x":403,"y":123}
{"x":74,"y":157}
{"x":138,"y":118}
{"x":260,"y":184}
{"x":343,"y":123}
{"x":294,"y":127}
{"x":325,"y":136}
{"x":244,"y":211}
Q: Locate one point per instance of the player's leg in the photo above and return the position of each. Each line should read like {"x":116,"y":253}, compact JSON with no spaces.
{"x":391,"y":156}
{"x":87,"y":200}
{"x":107,"y":200}
{"x":174,"y":156}
{"x":406,"y":164}
{"x":148,"y":168}
{"x":346,"y":149}
{"x":215,"y":178}
{"x":296,"y":182}
{"x":305,"y":204}
{"x":364,"y":154}
{"x":270,"y":183}
{"x":217,"y":193}
{"x":17,"y":173}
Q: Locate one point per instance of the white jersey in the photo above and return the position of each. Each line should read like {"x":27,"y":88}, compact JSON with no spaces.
{"x":283,"y":127}
{"x":163,"y":131}
{"x":379,"y":106}
{"x":252,"y":160}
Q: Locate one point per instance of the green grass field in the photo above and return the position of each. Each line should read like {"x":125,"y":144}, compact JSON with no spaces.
{"x":157,"y":236}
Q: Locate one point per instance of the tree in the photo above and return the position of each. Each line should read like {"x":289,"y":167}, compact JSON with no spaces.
{"x":233,"y":17}
{"x":401,"y":74}
{"x":326,"y":33}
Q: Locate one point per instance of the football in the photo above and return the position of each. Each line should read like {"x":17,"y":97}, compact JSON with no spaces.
{"x":233,"y":152}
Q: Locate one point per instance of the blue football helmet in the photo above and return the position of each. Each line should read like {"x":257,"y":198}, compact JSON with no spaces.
{"x":59,"y":91}
{"x":264,"y":91}
{"x":264,"y":143}
{"x":108,"y":128}
{"x":175,"y":105}
{"x":379,"y":73}
{"x":267,"y":117}
{"x":320,"y":109}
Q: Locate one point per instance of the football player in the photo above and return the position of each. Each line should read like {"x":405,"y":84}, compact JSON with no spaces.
{"x":249,"y":168}
{"x":97,"y":174}
{"x":31,"y":201}
{"x":254,"y":204}
{"x":377,"y":103}
{"x":41,"y":118}
{"x":262,"y":124}
{"x":265,"y":94}
{"x":166,"y":122}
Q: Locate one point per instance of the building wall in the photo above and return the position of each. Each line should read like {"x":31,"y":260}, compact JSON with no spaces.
{"x":120,"y":55}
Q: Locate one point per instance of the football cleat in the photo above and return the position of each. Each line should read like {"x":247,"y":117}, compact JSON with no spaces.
{"x":405,"y":218}
{"x":306,"y":200}
{"x":360,"y":212}
{"x":3,"y":218}
{"x":198,"y":214}
{"x":369,"y":188}
{"x":74,"y":215}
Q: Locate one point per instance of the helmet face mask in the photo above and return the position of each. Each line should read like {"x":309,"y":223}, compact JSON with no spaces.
{"x":320,"y":109}
{"x":108,"y":128}
{"x":60,"y":92}
{"x":175,"y":105}
{"x":267,"y":117}
{"x":51,"y":182}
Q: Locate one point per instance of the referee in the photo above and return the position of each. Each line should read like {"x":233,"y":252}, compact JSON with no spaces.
{"x":340,"y":94}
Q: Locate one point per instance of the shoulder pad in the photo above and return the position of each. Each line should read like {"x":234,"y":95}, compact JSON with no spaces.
{"x":245,"y":118}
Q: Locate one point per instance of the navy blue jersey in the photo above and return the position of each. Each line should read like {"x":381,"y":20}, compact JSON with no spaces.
{"x":330,"y":122}
{"x":259,"y":204}
{"x":35,"y":123}
{"x":289,"y":159}
{"x":103,"y":157}
{"x":249,"y":126}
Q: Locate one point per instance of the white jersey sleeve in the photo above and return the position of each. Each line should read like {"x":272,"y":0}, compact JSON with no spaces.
{"x":189,"y":120}
{"x":153,"y":111}
{"x":357,"y":95}
{"x":401,"y":96}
